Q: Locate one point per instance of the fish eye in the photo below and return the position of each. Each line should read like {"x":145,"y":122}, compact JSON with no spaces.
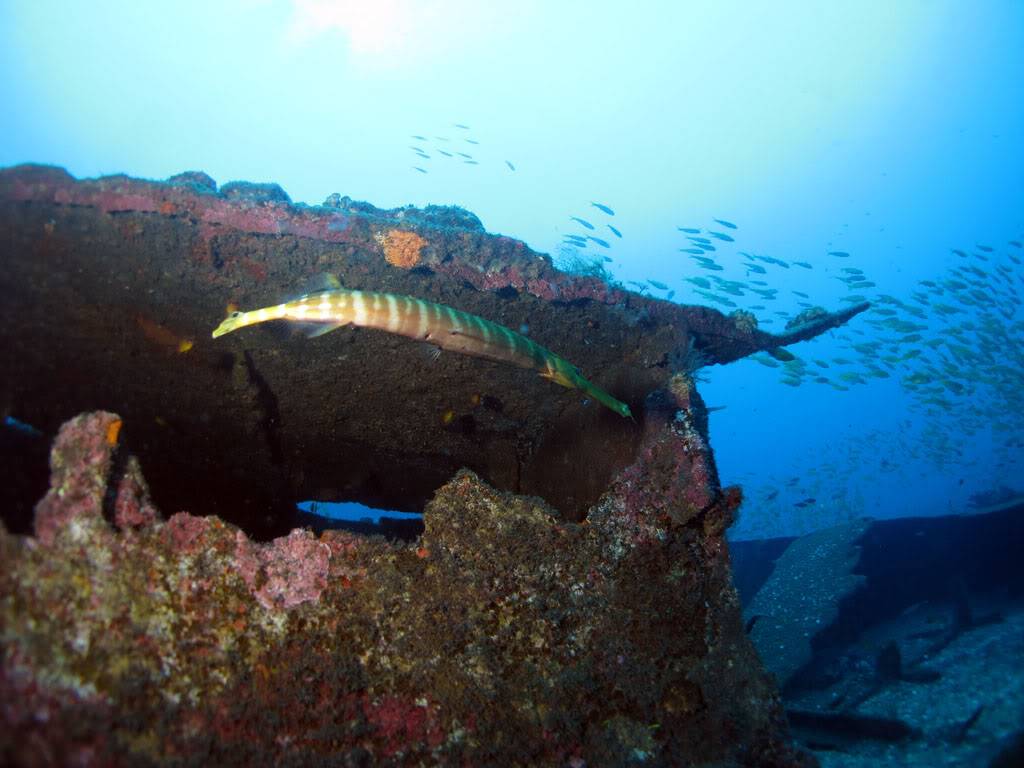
{"x":236,"y":314}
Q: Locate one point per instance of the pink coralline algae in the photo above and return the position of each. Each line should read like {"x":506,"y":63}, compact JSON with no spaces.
{"x":80,"y":464}
{"x":281,"y":574}
{"x":132,"y":508}
{"x":288,"y":572}
{"x":674,"y":474}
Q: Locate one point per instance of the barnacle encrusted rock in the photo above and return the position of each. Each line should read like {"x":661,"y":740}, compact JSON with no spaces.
{"x":744,"y":320}
{"x":807,"y":317}
{"x":502,"y":636}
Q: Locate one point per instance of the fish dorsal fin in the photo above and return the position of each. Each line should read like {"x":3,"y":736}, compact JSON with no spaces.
{"x":330,"y":281}
{"x":318,"y":284}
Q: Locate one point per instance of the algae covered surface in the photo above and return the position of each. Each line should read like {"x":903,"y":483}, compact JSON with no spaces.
{"x":501,"y":636}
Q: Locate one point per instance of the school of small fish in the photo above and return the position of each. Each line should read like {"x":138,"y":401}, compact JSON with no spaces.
{"x":448,"y":148}
{"x":955,"y":346}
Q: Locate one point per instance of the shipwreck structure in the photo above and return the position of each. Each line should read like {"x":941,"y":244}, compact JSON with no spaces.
{"x":569,"y":602}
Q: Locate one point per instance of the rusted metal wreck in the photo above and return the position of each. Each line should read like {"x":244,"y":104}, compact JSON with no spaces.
{"x":568,"y":603}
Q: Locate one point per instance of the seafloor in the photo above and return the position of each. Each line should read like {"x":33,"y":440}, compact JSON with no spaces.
{"x":968,"y":716}
{"x":896,"y":642}
{"x":570,"y":599}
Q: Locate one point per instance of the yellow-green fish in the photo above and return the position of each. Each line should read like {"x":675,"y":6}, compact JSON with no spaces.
{"x":437,"y":324}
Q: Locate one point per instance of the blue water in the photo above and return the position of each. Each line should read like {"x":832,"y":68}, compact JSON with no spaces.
{"x":892,"y":132}
{"x":352,"y":511}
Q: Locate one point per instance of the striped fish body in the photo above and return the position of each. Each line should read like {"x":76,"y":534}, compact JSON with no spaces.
{"x":437,"y":324}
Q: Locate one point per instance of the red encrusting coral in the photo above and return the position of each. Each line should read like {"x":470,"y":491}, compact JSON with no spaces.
{"x":116,"y":194}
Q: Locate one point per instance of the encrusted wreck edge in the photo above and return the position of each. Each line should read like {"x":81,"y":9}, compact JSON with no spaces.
{"x":501,"y":636}
{"x":498,"y":263}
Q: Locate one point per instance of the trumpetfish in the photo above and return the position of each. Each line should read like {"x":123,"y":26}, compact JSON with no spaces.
{"x":438,"y":324}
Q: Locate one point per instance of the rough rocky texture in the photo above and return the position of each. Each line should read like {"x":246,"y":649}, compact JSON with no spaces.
{"x":802,"y":596}
{"x":112,"y":286}
{"x":504,"y":636}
